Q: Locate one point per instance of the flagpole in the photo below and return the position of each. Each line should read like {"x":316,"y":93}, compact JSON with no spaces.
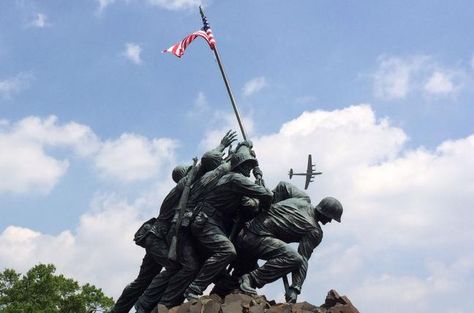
{"x":226,"y":82}
{"x":236,"y":111}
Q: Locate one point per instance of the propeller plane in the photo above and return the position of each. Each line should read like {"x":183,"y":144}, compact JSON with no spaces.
{"x":310,"y":172}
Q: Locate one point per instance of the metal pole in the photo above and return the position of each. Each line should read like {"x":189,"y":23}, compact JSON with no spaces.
{"x":227,"y":85}
{"x":229,"y":91}
{"x":236,"y":111}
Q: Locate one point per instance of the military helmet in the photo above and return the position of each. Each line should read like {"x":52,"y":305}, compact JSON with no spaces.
{"x":240,"y":157}
{"x":179,"y":172}
{"x":330,"y":207}
{"x":211,"y":160}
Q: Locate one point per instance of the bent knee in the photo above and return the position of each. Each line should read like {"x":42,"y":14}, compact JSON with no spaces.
{"x":296,"y":259}
{"x":229,"y":254}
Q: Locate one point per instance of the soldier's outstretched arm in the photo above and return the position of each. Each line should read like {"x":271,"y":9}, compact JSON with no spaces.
{"x":213,"y":158}
{"x":227,"y":140}
{"x":245,"y":187}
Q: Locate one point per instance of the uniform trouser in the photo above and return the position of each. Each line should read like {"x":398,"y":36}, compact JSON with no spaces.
{"x":281,"y":258}
{"x":156,"y":257}
{"x":168,"y":287}
{"x":212,"y":238}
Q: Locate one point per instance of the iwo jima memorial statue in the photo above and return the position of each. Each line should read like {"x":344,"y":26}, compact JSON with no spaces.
{"x":214,"y":226}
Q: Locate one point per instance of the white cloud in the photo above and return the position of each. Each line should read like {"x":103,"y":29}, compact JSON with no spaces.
{"x":393,"y":78}
{"x":14,"y":85}
{"x":133,"y":158}
{"x":103,"y":4}
{"x":47,"y":131}
{"x":40,"y":21}
{"x":422,"y":293}
{"x":25,"y":166}
{"x":200,"y":106}
{"x":439,"y":83}
{"x":100,"y":250}
{"x":397,"y":77}
{"x":132,"y":52}
{"x":165,"y":4}
{"x":305,"y":100}
{"x":28,"y":166}
{"x":254,"y":85}
{"x":176,"y":4}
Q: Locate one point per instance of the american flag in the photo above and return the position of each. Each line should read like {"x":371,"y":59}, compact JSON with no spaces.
{"x":179,"y":48}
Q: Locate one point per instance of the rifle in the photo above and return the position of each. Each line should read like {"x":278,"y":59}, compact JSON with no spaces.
{"x":172,"y":253}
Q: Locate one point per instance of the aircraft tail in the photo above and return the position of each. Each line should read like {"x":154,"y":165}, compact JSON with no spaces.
{"x":290,"y":173}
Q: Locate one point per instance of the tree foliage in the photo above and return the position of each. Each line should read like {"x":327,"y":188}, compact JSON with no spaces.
{"x":40,"y":290}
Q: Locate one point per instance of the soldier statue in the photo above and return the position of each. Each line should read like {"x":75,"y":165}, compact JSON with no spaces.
{"x":153,"y":237}
{"x":215,"y":219}
{"x":168,"y":287}
{"x":291,"y":218}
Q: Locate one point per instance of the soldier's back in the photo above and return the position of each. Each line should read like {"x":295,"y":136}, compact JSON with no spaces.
{"x":288,"y":220}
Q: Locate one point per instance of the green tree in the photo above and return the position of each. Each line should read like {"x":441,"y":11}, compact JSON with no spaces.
{"x":40,"y":290}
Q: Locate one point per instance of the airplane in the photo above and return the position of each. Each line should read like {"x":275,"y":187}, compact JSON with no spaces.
{"x":310,"y":172}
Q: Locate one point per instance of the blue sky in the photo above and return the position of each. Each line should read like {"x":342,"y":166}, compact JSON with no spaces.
{"x":93,"y":118}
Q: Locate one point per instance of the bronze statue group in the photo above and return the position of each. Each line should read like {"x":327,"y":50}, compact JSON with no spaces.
{"x":214,"y":226}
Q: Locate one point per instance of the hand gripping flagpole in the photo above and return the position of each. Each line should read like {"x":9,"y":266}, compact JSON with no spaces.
{"x":227,"y":85}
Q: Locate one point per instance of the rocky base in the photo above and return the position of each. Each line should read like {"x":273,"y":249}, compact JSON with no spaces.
{"x":242,"y":303}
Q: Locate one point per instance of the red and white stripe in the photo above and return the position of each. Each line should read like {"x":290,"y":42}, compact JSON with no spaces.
{"x":179,"y":48}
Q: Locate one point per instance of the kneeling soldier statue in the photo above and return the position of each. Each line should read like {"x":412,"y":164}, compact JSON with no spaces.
{"x":291,"y":218}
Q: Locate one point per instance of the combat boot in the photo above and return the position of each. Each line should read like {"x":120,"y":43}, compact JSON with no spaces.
{"x":139,"y":309}
{"x":191,"y":295}
{"x":246,"y":284}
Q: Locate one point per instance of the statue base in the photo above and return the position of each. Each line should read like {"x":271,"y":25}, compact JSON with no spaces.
{"x":242,"y":303}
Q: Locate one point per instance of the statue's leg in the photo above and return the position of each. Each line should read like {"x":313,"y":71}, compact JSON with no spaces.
{"x":281,"y":260}
{"x":148,"y":269}
{"x":222,"y":253}
{"x":155,"y":290}
{"x":157,"y":248}
{"x":246,"y":244}
{"x":190,"y":265}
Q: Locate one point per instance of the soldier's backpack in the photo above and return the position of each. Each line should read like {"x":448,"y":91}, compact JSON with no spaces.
{"x":143,"y":231}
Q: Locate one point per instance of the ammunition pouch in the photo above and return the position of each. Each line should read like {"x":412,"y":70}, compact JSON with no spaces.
{"x":143,"y":232}
{"x":199,"y":221}
{"x":187,"y":219}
